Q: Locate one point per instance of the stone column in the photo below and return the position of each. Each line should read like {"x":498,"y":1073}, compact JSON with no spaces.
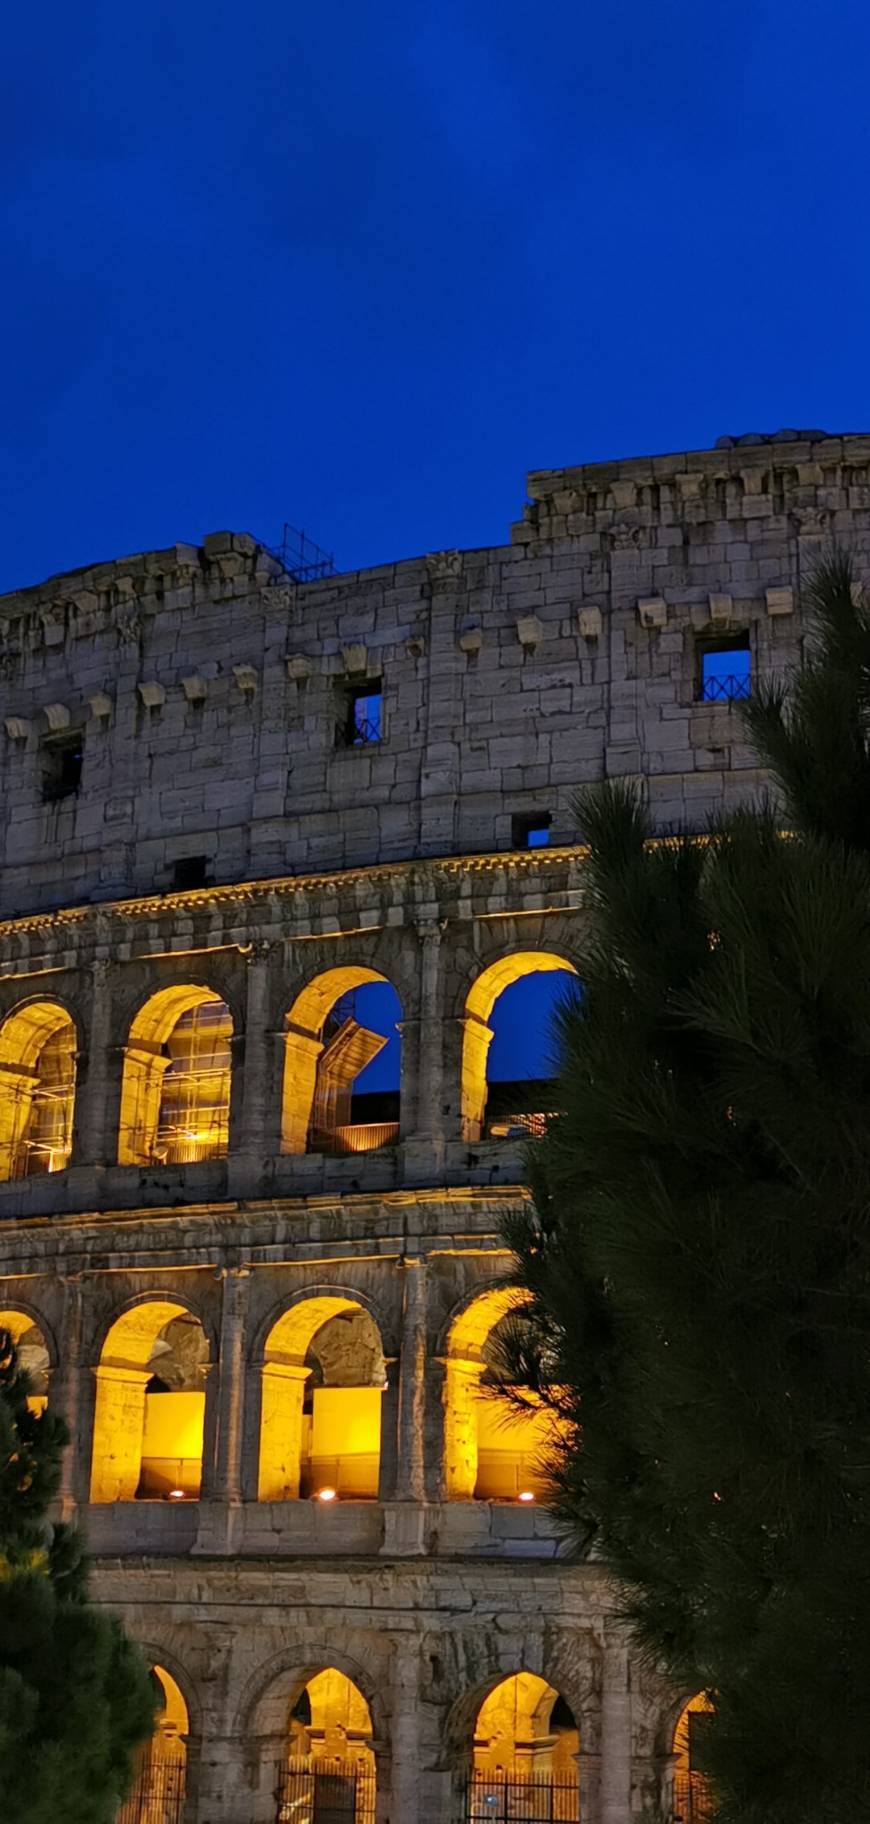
{"x":221,"y":1499}
{"x":259,"y":1090}
{"x":301,"y":1053}
{"x":279,"y":1445}
{"x":96,"y":1108}
{"x":423,"y":1065}
{"x":407,"y":1793}
{"x":405,"y":1522}
{"x":615,"y":1774}
{"x":411,"y":1476}
{"x":66,"y":1397}
{"x":119,"y":1422}
{"x":475,"y":1043}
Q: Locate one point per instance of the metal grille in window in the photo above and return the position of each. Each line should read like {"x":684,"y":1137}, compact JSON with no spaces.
{"x":502,"y":1798}
{"x":157,"y":1795}
{"x":325,"y":1792}
{"x":725,"y":688}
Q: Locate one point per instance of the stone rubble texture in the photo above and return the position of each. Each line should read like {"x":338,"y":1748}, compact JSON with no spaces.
{"x":206,"y":686}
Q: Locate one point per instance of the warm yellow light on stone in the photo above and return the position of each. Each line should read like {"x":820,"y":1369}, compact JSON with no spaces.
{"x":122,"y":1404}
{"x":175,"y":1089}
{"x":303,"y":1047}
{"x":515,"y":1734}
{"x":338,"y":1445}
{"x":37,"y":1089}
{"x":477,"y":1032}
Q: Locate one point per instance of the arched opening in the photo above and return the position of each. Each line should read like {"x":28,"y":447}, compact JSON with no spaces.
{"x":158,"y":1790}
{"x":37,"y":1089}
{"x":508,"y":1046}
{"x":692,"y":1798}
{"x":33,"y":1357}
{"x":492,"y":1450}
{"x":323,"y":1382}
{"x":150,"y":1406}
{"x":524,"y":1759}
{"x":342,"y":1065}
{"x":175,"y":1092}
{"x":329,"y":1772}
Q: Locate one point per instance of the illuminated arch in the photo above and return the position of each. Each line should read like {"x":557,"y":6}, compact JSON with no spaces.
{"x":159,"y":1784}
{"x":526,"y":1734}
{"x":477,"y":1033}
{"x":329,"y":1767}
{"x":150,"y":1405}
{"x":175,"y":1090}
{"x":33,"y":1352}
{"x":692,"y":1798}
{"x":320,"y":1423}
{"x":491,"y":1453}
{"x":319,"y":1070}
{"x":38,"y":1045}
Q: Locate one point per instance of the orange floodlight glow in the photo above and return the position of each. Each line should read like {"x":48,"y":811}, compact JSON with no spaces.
{"x":525,"y":1494}
{"x":326,"y":1494}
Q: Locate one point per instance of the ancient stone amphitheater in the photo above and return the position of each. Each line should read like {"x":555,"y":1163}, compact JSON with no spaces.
{"x":261,"y":835}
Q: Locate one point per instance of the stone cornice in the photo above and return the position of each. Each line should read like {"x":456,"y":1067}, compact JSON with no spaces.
{"x":420,"y":872}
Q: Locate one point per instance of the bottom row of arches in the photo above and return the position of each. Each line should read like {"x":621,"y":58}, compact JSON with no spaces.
{"x":523,"y":1760}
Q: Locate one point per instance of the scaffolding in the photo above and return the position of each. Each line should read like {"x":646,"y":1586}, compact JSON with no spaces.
{"x":302,"y":559}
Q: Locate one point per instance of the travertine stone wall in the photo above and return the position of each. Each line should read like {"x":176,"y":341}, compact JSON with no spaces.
{"x":206,"y":683}
{"x":207,"y":687}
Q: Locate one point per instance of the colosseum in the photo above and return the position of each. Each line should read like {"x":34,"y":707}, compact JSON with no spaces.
{"x":278,"y":853}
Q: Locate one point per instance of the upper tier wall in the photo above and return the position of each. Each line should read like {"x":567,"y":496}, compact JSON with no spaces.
{"x":207,"y":684}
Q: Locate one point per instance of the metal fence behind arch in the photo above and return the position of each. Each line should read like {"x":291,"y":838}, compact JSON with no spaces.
{"x":324,"y":1792}
{"x":156,"y":1796}
{"x":502,"y":1798}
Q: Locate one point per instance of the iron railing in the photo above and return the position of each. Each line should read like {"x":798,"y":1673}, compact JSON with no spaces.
{"x":501,"y":1798}
{"x":729,"y":689}
{"x":692,"y":1801}
{"x":325,"y":1792}
{"x":157,"y":1795}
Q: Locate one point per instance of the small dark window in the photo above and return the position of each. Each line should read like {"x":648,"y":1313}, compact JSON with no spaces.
{"x":361,"y":720}
{"x":191,"y":871}
{"x":61,"y":768}
{"x":725,"y":670}
{"x":531,"y":831}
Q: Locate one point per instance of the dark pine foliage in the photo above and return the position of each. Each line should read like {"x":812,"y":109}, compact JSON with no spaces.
{"x":75,"y":1695}
{"x":698,"y":1249}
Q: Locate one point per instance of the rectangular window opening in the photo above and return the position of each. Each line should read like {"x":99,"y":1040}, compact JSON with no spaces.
{"x":530,"y":830}
{"x":61,"y":768}
{"x":189,"y":872}
{"x":361,"y":723}
{"x":725,"y":669}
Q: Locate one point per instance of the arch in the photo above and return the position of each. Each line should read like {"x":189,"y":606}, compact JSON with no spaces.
{"x":492,"y":1452}
{"x":316,"y":1721}
{"x":525,"y":1744}
{"x":159,"y":1784}
{"x":150,"y":1404}
{"x":38,"y":1049}
{"x":477,"y":1033}
{"x":175,"y":1088}
{"x":320,"y":1419}
{"x":33,"y":1352}
{"x":692,"y":1799}
{"x":321,"y":1067}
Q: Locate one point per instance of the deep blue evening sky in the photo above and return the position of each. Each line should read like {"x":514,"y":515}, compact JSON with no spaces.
{"x":361,"y":266}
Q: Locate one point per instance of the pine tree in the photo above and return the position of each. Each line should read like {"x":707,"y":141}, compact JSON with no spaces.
{"x":75,"y":1695}
{"x":698,"y":1248}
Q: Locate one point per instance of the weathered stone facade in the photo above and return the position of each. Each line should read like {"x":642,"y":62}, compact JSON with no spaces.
{"x":205,"y":688}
